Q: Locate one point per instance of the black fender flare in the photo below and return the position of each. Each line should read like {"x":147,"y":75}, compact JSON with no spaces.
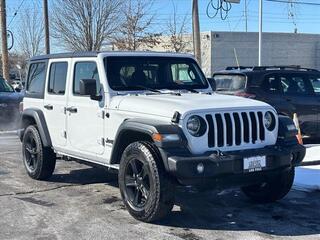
{"x":145,"y":127}
{"x":39,"y":119}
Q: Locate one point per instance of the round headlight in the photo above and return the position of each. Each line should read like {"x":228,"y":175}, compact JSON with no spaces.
{"x":196,"y":126}
{"x":269,"y":121}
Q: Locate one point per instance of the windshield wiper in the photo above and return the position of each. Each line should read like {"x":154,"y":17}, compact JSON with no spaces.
{"x":188,"y":89}
{"x":222,"y":89}
{"x":145,"y":88}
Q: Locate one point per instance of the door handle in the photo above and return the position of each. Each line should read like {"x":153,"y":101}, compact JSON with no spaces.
{"x":72,"y":109}
{"x":48,"y":106}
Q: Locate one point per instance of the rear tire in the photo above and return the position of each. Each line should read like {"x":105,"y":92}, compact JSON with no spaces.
{"x":146,"y":189}
{"x":39,"y":161}
{"x":272,"y":190}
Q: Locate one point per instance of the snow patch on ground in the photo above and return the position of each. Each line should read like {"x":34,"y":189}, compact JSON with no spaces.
{"x":308,"y":177}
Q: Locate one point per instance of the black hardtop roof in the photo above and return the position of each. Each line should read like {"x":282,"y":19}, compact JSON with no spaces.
{"x":109,"y":53}
{"x":65,"y":55}
{"x":246,"y":69}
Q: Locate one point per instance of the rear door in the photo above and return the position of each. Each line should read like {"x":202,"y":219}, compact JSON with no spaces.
{"x":298,"y":91}
{"x":55,"y":101}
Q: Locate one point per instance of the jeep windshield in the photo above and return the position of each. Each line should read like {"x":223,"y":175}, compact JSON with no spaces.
{"x":4,"y":86}
{"x":230,"y":83}
{"x":154,"y":73}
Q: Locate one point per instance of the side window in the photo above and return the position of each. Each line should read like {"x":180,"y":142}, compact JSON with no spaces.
{"x":293,"y":84}
{"x":84,"y":70}
{"x":271,"y":84}
{"x":315,"y":82}
{"x":36,"y":79}
{"x":58,"y":78}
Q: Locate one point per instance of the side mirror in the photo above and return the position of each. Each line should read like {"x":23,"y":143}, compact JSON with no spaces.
{"x":88,"y":87}
{"x":212,"y":83}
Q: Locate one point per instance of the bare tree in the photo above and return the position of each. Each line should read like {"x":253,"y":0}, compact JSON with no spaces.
{"x":30,"y":34}
{"x":85,"y":25}
{"x":177,"y":29}
{"x":134,"y":32}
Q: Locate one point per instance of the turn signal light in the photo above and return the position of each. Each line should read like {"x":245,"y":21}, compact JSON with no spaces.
{"x":157,"y":137}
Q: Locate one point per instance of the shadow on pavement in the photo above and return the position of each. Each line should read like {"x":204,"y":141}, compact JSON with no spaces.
{"x":85,"y":176}
{"x":296,"y":215}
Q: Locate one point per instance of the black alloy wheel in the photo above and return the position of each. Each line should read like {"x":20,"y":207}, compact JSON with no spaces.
{"x":137,"y":183}
{"x":38,"y":160}
{"x":147,"y":190}
{"x":31,"y":152}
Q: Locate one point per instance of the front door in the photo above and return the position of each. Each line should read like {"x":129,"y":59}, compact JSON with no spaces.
{"x":298,"y":91}
{"x":315,"y":83}
{"x":84,"y":116}
{"x":55,"y":101}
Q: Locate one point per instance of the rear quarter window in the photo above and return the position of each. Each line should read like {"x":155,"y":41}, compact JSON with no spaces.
{"x":36,"y":80}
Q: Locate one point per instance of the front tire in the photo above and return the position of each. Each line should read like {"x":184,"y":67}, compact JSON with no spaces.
{"x":39,"y":161}
{"x":146,"y":189}
{"x":273,"y":189}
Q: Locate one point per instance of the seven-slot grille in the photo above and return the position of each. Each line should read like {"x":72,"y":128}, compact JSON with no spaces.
{"x":235,"y":128}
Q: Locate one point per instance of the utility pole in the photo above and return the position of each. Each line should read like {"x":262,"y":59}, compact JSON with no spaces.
{"x":46,"y":26}
{"x":5,"y":55}
{"x":196,"y":31}
{"x":246,"y":14}
{"x":260,"y":30}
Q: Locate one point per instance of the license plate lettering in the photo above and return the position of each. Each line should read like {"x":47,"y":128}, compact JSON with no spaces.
{"x":254,"y":164}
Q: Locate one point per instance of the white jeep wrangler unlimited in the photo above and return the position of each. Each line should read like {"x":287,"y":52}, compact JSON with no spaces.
{"x":153,"y":117}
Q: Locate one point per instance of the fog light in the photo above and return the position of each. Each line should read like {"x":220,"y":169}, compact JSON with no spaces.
{"x":200,"y":168}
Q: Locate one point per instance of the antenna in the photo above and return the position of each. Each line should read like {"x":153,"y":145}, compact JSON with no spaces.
{"x":236,"y":57}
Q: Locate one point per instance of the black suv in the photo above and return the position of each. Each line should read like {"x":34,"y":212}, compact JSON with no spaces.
{"x":289,"y":89}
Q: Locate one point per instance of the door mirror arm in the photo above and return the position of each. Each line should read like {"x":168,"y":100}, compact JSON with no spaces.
{"x":96,"y":97}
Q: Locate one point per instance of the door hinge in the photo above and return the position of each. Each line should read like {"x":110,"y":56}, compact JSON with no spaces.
{"x":101,"y":114}
{"x":101,"y":141}
{"x":65,"y":134}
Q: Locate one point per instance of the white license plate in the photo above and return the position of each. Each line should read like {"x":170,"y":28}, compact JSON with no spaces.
{"x":254,"y":164}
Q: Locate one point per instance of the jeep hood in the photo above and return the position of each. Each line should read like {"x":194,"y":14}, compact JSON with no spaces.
{"x":165,"y":105}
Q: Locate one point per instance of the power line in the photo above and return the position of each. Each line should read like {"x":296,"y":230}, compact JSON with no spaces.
{"x":295,"y":2}
{"x":221,"y":6}
{"x":16,"y":12}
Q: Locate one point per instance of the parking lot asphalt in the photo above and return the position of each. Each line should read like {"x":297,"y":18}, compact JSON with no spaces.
{"x":81,"y":202}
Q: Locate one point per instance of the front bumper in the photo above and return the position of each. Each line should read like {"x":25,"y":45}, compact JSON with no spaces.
{"x":227,"y":168}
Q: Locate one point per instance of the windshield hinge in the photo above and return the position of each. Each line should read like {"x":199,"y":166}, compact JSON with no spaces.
{"x":176,"y":117}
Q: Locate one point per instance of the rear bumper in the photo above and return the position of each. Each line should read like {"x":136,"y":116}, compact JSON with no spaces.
{"x":227,"y":168}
